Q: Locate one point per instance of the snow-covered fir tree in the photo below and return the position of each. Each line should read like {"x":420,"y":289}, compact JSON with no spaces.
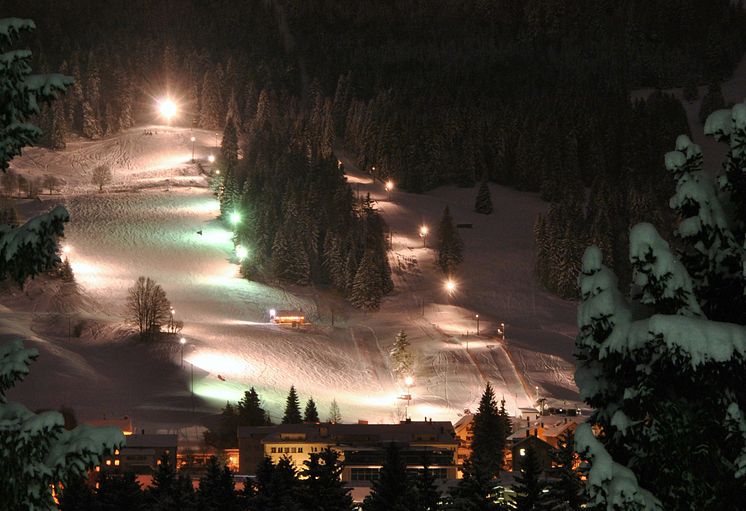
{"x":23,"y":92}
{"x":665,"y":368}
{"x":483,"y":202}
{"x":450,"y":246}
{"x":38,"y":453}
{"x":401,"y":355}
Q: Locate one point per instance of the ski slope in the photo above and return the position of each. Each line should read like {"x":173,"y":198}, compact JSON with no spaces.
{"x":147,"y":223}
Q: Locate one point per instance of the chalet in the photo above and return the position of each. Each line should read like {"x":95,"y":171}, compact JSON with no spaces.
{"x":542,"y":449}
{"x":287,"y":317}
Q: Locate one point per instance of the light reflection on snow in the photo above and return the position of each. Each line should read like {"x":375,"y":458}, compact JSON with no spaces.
{"x":221,"y":364}
{"x":218,"y":390}
{"x":171,"y":160}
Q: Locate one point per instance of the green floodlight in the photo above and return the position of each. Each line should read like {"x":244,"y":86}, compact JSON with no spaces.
{"x":235,"y":217}
{"x":241,"y":252}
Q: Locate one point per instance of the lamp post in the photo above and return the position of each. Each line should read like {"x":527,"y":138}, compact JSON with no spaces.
{"x":423,"y":234}
{"x":216,"y":140}
{"x":193,"y":139}
{"x":182,"y":341}
{"x":408,"y":381}
{"x":477,"y":317}
{"x":389,"y":187}
{"x":501,"y":331}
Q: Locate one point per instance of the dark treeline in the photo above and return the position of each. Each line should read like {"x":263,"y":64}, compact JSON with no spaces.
{"x":533,"y":95}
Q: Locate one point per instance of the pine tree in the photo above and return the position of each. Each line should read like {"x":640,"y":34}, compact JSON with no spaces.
{"x":367,"y":289}
{"x":565,"y":487}
{"x":250,"y":411}
{"x":169,"y":491}
{"x":335,"y":416}
{"x":24,"y":92}
{"x":57,"y":128}
{"x":401,"y":355}
{"x":490,"y":437}
{"x":427,"y":495}
{"x":119,"y":492}
{"x":483,"y":202}
{"x":216,"y":488}
{"x":66,"y":271}
{"x":229,"y":147}
{"x":77,"y":495}
{"x":392,"y":490}
{"x":311,"y":415}
{"x":450,"y":246}
{"x":530,"y":484}
{"x":322,"y":488}
{"x":209,"y":115}
{"x":711,"y":101}
{"x":292,"y":408}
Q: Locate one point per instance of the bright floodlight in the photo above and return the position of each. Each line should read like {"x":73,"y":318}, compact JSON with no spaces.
{"x":450,"y":286}
{"x":241,"y":252}
{"x":235,"y":217}
{"x":272,"y":313}
{"x":66,"y":249}
{"x":211,"y":159}
{"x":423,"y":231}
{"x":182,"y":340}
{"x":193,"y":139}
{"x":408,"y":381}
{"x":167,"y":108}
{"x":389,"y":185}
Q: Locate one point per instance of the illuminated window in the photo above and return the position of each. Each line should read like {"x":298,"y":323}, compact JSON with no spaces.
{"x":273,"y":450}
{"x":293,"y":450}
{"x":287,"y":450}
{"x":300,"y":449}
{"x":523,"y":452}
{"x":108,"y":462}
{"x":116,"y":451}
{"x":98,"y":485}
{"x":98,"y":468}
{"x":116,"y":463}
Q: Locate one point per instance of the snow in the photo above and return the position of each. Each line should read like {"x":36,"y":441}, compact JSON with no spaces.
{"x":664,"y":267}
{"x":11,"y":26}
{"x":608,"y":481}
{"x":698,"y":339}
{"x":719,"y":124}
{"x":146,"y":223}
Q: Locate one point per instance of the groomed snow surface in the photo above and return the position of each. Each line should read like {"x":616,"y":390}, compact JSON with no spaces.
{"x":146,"y":223}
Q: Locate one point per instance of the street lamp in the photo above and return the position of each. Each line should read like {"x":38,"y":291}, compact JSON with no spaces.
{"x":211,"y":158}
{"x":389,"y":187}
{"x":241,"y":252}
{"x":235,"y":218}
{"x":501,"y":330}
{"x":66,"y":249}
{"x":193,"y":139}
{"x":423,"y":234}
{"x":167,"y":109}
{"x":450,"y":286}
{"x":477,"y":316}
{"x":182,"y":341}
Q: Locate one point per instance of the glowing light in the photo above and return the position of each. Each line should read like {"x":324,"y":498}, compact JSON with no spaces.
{"x":66,"y":249}
{"x":217,"y":172}
{"x":241,"y":252}
{"x":408,"y":381}
{"x":167,"y":108}
{"x":211,"y":158}
{"x":423,"y":231}
{"x":193,"y":139}
{"x":450,"y":286}
{"x":389,"y":185}
{"x":235,"y":217}
{"x":182,"y":341}
{"x":223,"y":364}
{"x":272,"y":313}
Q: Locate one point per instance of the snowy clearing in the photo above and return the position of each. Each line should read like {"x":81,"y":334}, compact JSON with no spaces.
{"x":150,"y":227}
